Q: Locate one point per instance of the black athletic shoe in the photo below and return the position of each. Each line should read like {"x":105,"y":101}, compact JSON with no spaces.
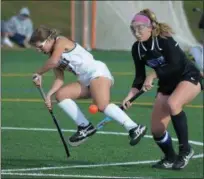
{"x":82,"y":135}
{"x":183,"y":159}
{"x":164,"y":163}
{"x":136,"y":134}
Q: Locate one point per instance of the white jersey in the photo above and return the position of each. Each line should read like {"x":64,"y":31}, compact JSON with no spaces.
{"x":78,"y":60}
{"x":82,"y":63}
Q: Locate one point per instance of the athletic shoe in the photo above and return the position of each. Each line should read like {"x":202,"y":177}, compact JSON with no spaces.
{"x":164,"y":163}
{"x":183,"y":159}
{"x":82,"y":135}
{"x":136,"y":134}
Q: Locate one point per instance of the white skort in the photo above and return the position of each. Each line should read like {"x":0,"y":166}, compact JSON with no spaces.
{"x":98,"y":69}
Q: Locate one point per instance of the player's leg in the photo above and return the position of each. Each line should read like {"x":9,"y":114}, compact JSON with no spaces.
{"x":185,"y":92}
{"x":102,"y":100}
{"x":65,"y":97}
{"x":159,"y":124}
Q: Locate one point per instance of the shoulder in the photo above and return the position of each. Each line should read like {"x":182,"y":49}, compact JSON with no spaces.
{"x":167,"y":41}
{"x":134,"y":46}
{"x":135,"y":54}
{"x":13,"y":18}
{"x":63,"y":42}
{"x":29,"y":20}
{"x":135,"y":49}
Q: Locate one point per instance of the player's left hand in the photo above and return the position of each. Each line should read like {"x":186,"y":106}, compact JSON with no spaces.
{"x":148,"y":84}
{"x":37,"y":79}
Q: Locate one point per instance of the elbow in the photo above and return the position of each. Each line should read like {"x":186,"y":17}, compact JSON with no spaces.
{"x":60,"y":82}
{"x":138,"y":84}
{"x":53,"y":65}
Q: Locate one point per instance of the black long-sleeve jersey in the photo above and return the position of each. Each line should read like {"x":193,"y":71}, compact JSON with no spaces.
{"x":163,"y":55}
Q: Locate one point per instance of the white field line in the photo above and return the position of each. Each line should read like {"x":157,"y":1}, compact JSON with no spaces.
{"x":99,"y":132}
{"x":87,"y":166}
{"x":79,"y":166}
{"x":198,"y":156}
{"x":69,"y":176}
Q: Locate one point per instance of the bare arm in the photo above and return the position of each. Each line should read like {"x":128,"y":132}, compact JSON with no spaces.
{"x":148,"y":84}
{"x":152,"y":75}
{"x":52,"y":62}
{"x":58,"y":83}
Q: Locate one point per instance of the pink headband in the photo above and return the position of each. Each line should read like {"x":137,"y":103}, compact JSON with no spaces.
{"x":141,"y":19}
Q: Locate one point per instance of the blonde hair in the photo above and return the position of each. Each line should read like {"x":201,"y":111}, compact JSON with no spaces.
{"x":159,"y":29}
{"x":43,"y":33}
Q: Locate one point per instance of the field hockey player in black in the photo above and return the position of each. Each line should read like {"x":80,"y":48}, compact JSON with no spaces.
{"x":179,"y":82}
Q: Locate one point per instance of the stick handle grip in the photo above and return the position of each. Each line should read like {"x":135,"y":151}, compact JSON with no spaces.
{"x":134,"y":98}
{"x":42,"y":93}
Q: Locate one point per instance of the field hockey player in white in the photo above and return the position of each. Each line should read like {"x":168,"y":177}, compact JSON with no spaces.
{"x":94,"y":80}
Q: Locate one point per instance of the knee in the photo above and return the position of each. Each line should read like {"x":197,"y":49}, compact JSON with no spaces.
{"x":173,"y":106}
{"x":102,"y":106}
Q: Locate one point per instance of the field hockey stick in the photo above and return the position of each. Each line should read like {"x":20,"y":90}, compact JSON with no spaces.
{"x":56,"y":123}
{"x":108,"y":119}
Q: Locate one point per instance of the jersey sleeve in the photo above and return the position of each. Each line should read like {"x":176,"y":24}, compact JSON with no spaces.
{"x":140,"y":73}
{"x":171,"y":49}
{"x":173,"y":55}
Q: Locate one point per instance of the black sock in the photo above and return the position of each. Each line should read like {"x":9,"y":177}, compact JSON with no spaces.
{"x":165,"y":144}
{"x":181,"y":128}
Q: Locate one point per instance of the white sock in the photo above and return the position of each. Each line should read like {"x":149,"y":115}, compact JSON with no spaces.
{"x":6,"y":41}
{"x":120,"y":116}
{"x":71,"y":109}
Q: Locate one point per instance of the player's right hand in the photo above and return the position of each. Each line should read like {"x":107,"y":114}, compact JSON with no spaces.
{"x":126,"y":103}
{"x":48,"y":102}
{"x":37,"y":79}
